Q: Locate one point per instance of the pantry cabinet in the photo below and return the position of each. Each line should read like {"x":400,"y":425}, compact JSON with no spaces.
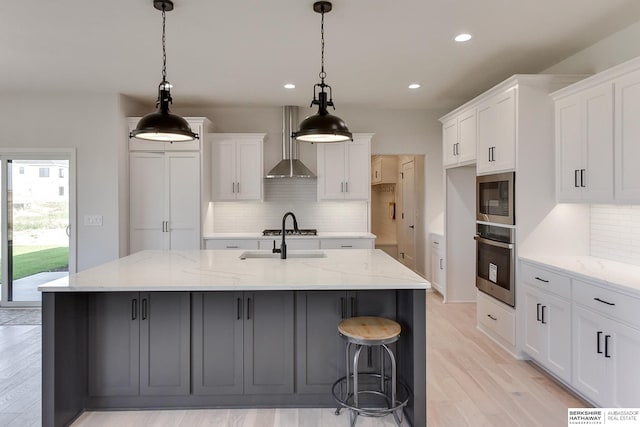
{"x":164,"y":200}
{"x":459,"y":136}
{"x":237,"y":166}
{"x":344,"y":169}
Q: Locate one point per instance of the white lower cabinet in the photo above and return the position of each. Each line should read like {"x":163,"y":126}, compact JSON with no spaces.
{"x":606,"y":368}
{"x":497,"y":320}
{"x":547,"y":331}
{"x":231,"y":244}
{"x":587,"y":334}
{"x":346,"y":243}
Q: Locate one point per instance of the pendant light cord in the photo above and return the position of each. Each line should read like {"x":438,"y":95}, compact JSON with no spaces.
{"x":322,"y":74}
{"x":164,"y":49}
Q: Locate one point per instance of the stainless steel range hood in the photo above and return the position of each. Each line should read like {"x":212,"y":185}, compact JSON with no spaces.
{"x":289,"y":166}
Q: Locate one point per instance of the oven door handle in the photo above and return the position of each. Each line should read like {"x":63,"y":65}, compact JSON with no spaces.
{"x":493,"y":242}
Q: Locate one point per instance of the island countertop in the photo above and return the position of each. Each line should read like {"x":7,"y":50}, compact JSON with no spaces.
{"x":224,"y":270}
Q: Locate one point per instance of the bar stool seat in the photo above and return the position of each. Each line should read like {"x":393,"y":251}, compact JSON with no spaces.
{"x":369,"y":331}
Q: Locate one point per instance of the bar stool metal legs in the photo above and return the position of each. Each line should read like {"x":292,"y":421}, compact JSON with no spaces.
{"x":385,"y":391}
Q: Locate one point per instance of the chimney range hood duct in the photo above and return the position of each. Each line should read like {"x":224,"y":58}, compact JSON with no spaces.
{"x":289,"y":166}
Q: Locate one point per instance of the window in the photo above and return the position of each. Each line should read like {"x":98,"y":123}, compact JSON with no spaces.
{"x":60,"y":173}
{"x":44,"y":172}
{"x":21,"y":170}
{"x":61,"y":191}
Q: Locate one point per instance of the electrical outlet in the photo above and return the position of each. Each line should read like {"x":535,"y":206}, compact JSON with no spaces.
{"x":93,"y":220}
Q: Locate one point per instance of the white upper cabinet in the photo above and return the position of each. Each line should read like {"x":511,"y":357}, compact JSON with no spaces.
{"x":584,"y":146}
{"x":384,"y":170}
{"x":459,"y":139}
{"x":237,"y":166}
{"x":344,"y":169}
{"x":627,"y":137}
{"x":497,"y":133}
{"x":597,"y":134}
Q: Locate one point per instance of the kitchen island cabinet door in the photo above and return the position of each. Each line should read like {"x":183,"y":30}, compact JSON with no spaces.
{"x":165,"y":343}
{"x":113,"y":341}
{"x":268,"y":342}
{"x":319,"y":347}
{"x":217,"y":331}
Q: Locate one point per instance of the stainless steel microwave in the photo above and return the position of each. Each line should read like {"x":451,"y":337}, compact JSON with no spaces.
{"x":495,"y":198}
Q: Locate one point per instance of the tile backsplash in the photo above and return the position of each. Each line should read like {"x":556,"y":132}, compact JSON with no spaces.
{"x":615,"y":232}
{"x":297,"y":195}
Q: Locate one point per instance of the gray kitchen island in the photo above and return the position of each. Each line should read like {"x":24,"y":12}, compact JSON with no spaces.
{"x":222,"y":329}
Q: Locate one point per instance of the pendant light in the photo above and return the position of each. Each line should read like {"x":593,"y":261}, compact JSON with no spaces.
{"x":322,"y":127}
{"x":163,"y":125}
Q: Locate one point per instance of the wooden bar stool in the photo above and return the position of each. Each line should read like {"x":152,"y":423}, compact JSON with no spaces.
{"x":368,"y":332}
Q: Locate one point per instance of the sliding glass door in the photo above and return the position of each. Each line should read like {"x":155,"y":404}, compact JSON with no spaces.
{"x":36,"y":224}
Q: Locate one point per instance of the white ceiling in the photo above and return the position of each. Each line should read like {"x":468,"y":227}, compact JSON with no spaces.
{"x":241,"y":52}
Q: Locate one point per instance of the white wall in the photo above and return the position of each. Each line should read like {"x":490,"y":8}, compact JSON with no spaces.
{"x":90,"y":124}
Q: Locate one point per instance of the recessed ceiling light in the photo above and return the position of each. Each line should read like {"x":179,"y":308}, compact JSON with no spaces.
{"x":463,"y":37}
{"x":289,"y":86}
{"x":414,"y":85}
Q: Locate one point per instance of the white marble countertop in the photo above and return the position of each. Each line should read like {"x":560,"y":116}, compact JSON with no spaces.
{"x":621,"y":276}
{"x":320,"y":235}
{"x":223,"y":270}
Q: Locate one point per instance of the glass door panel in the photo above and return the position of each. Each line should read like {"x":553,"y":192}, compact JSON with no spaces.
{"x":37,"y":226}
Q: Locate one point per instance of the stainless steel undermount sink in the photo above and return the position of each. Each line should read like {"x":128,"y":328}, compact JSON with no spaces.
{"x":290,"y":254}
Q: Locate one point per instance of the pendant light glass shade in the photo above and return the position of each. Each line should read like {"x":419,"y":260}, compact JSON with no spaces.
{"x":163,"y":125}
{"x":322,"y":127}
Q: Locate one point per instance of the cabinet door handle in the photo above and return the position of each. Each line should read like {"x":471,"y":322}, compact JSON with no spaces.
{"x":491,"y":317}
{"x":606,"y":346}
{"x":238,"y":188}
{"x":248,"y":308}
{"x":134,"y":309}
{"x":370,"y":357}
{"x":353,"y":307}
{"x":542,"y":320}
{"x":490,"y":153}
{"x":541,"y":279}
{"x":575,"y":178}
{"x":441,"y":263}
{"x":598,"y":344}
{"x":538,"y":311}
{"x":604,"y":302}
{"x":144,"y":309}
{"x":346,"y":187}
{"x":343,"y":307}
{"x":233,"y":187}
{"x":582,"y":184}
{"x":342,"y":187}
{"x":239,"y":308}
{"x":453,"y":149}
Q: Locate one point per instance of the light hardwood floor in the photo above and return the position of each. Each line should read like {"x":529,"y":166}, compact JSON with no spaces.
{"x":470,"y":382}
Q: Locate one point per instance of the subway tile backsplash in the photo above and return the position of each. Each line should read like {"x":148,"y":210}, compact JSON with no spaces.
{"x":297,"y":195}
{"x":615,"y":232}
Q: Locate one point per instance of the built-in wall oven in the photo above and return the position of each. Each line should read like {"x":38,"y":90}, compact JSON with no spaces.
{"x":495,"y":269}
{"x":495,"y":198}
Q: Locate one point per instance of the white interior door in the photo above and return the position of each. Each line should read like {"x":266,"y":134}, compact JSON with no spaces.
{"x":408,"y":216}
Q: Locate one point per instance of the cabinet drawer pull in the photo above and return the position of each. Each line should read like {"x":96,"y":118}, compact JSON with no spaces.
{"x":491,"y":317}
{"x":134,"y":309}
{"x":538,"y":311}
{"x":239,"y":308}
{"x":582,"y":171}
{"x":598,"y":344}
{"x":542,"y":320}
{"x":541,"y":279}
{"x":604,"y":302}
{"x":606,"y":346}
{"x":232,"y":247}
{"x":346,"y":246}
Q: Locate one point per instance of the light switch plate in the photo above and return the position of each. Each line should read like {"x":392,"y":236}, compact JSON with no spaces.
{"x":93,"y":220}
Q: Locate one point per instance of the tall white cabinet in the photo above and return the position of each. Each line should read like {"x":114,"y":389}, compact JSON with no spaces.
{"x":344,"y":169}
{"x":166,"y":192}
